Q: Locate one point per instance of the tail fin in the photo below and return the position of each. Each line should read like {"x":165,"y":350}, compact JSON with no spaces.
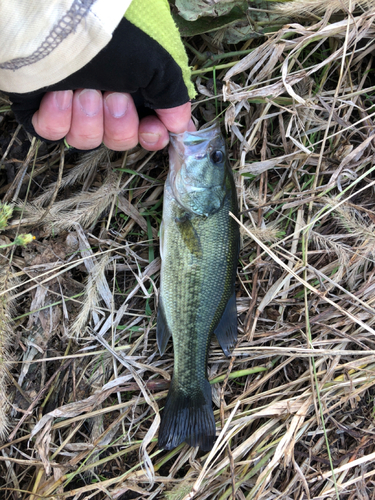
{"x":188,"y":416}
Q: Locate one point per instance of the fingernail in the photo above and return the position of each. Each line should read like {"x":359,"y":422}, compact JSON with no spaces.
{"x":117,"y":104}
{"x":64,"y":99}
{"x":149,"y":138}
{"x":90,"y":101}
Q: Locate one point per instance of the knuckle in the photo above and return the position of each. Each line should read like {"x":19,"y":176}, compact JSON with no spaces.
{"x":119,"y":143}
{"x":84,"y":141}
{"x":51,"y":132}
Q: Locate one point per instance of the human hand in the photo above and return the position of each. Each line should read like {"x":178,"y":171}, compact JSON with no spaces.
{"x":133,"y":66}
{"x":86,"y":118}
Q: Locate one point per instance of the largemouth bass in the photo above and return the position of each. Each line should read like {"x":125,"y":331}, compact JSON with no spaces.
{"x":199,"y":245}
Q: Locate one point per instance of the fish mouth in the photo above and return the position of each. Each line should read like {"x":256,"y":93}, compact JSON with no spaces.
{"x":193,"y":143}
{"x":189,"y":188}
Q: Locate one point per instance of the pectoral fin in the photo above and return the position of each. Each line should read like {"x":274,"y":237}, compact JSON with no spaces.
{"x":163,"y":333}
{"x":189,"y":235}
{"x":226,"y":330}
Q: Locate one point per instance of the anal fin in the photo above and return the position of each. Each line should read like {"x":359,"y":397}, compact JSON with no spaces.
{"x":226,"y":330}
{"x":163,"y":333}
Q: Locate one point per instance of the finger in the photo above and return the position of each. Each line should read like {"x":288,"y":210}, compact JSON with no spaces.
{"x":153,"y":134}
{"x":52,"y":120}
{"x":86,"y":130}
{"x":176,"y":119}
{"x":120,"y":121}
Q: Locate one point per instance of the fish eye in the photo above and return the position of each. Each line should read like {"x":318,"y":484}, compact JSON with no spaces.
{"x":217,"y":156}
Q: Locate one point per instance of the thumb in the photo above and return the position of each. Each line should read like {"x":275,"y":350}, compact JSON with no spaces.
{"x":178,"y":119}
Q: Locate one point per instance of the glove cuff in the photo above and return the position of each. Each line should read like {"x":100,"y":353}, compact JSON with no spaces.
{"x":154,"y":18}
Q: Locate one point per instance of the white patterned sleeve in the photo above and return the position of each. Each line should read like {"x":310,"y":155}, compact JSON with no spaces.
{"x":44,"y":41}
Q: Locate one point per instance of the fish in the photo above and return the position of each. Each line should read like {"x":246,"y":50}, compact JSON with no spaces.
{"x":199,"y":247}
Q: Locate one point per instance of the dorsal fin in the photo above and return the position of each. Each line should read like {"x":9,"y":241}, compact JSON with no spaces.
{"x":226,"y":330}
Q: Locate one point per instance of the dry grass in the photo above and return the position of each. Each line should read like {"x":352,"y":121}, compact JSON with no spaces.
{"x":295,"y":403}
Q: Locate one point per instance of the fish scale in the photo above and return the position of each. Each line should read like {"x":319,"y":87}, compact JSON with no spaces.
{"x":201,"y":277}
{"x":199,"y":258}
